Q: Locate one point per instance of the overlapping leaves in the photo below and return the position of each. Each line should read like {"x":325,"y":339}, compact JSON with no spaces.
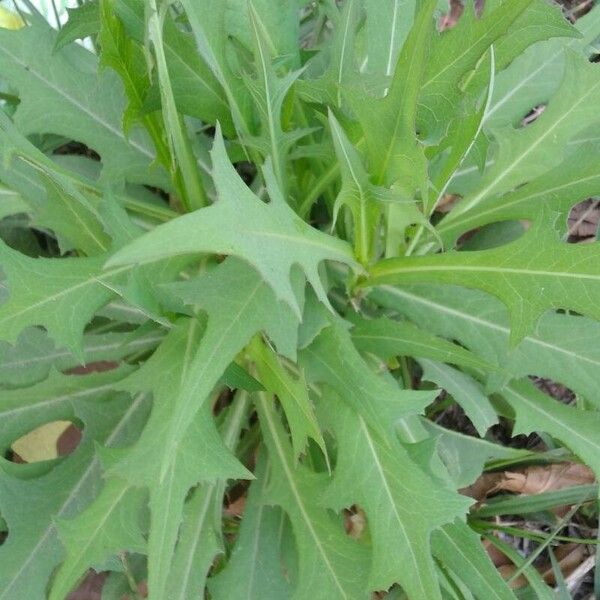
{"x":285,"y":363}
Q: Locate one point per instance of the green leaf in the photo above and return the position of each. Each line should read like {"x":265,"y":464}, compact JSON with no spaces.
{"x":11,"y":203}
{"x":575,"y":428}
{"x":269,"y":236}
{"x":525,"y":153}
{"x":575,"y":179}
{"x":377,"y":474}
{"x":293,"y":395}
{"x":388,"y":25}
{"x":33,"y":550}
{"x":34,"y":354}
{"x":86,"y":106}
{"x":456,"y":52}
{"x":62,"y":295}
{"x":169,"y":470}
{"x":194,"y":195}
{"x":387,"y":338}
{"x":464,"y":456}
{"x":255,"y":570}
{"x":197,"y":92}
{"x":82,"y":22}
{"x":208,"y":26}
{"x":200,"y":531}
{"x":327,"y":88}
{"x":110,"y":525}
{"x":333,"y":359}
{"x":459,"y":548}
{"x":59,"y":204}
{"x":531,"y":275}
{"x":562,"y":347}
{"x":269,"y":92}
{"x":533,"y":77}
{"x":330,"y":563}
{"x":465,"y":390}
{"x":186,"y":374}
{"x":389,"y":124}
{"x":54,"y":399}
{"x":357,"y":193}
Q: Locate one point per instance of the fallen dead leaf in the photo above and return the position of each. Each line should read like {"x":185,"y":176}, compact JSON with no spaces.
{"x":532,"y":480}
{"x":569,"y":557}
{"x":41,"y":443}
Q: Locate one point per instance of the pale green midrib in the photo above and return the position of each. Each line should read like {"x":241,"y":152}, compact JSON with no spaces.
{"x":91,"y":349}
{"x":484,"y":323}
{"x":91,"y":280}
{"x":388,"y":493}
{"x":342,"y":254}
{"x":178,"y":427}
{"x":468,"y":268}
{"x":105,"y":124}
{"x":477,"y":198}
{"x":57,"y":400}
{"x":465,"y":217}
{"x":298,"y":498}
{"x":572,"y":431}
{"x":72,"y":495}
{"x":90,"y":537}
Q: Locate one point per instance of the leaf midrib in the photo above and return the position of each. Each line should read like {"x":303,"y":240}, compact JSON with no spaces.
{"x":484,"y":323}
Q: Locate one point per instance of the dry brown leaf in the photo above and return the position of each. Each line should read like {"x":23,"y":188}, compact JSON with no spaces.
{"x":355,"y":522}
{"x":532,"y":480}
{"x":447,"y":203}
{"x":569,"y":557}
{"x":506,"y":571}
{"x":236,"y":508}
{"x":583,"y":219}
{"x":547,"y":478}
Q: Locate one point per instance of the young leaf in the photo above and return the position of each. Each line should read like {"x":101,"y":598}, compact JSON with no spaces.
{"x":194,"y":195}
{"x":357,"y":193}
{"x":197,"y":92}
{"x":269,"y":236}
{"x":389,"y":124}
{"x":269,"y":92}
{"x":293,"y":395}
{"x":328,"y":87}
{"x":208,"y":25}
